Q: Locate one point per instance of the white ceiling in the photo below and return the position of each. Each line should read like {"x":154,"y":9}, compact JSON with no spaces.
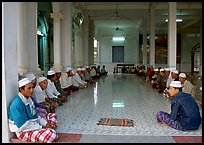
{"x":130,"y":15}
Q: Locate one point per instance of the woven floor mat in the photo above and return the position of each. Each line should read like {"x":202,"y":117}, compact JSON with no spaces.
{"x":116,"y":122}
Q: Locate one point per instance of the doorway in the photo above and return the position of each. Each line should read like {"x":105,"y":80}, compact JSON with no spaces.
{"x":117,"y":53}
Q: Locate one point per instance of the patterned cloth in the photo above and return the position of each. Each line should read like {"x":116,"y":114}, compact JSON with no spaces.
{"x":45,"y":135}
{"x":166,"y":118}
{"x":50,"y":117}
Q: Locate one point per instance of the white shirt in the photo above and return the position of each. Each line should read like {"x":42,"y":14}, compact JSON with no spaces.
{"x":51,"y":90}
{"x":188,"y":88}
{"x":76,"y":80}
{"x":39,"y":95}
{"x":65,"y":80}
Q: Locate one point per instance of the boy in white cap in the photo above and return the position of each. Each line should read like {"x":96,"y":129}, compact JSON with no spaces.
{"x":185,"y":114}
{"x":187,"y":87}
{"x":23,"y":119}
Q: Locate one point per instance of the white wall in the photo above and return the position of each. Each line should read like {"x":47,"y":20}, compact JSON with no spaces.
{"x":187,"y":43}
{"x":9,"y":63}
{"x":131,"y":49}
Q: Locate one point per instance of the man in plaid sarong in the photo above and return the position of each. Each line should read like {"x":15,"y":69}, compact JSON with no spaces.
{"x":23,"y":118}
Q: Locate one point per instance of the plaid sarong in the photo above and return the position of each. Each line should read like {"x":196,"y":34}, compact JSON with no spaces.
{"x":50,"y":117}
{"x":45,"y":135}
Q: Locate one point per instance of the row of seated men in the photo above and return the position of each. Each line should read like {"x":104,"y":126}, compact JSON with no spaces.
{"x":32,"y":112}
{"x":138,"y":70}
{"x":160,"y":79}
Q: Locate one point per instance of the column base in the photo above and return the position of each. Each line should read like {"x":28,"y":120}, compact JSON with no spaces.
{"x":22,"y":70}
{"x":56,"y":66}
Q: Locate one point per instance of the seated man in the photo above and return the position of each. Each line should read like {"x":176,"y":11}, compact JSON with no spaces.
{"x":51,"y":90}
{"x":23,"y":118}
{"x":185,"y":114}
{"x":58,"y":84}
{"x":103,"y":70}
{"x":77,"y":81}
{"x":187,"y":86}
{"x":66,"y":81}
{"x":40,"y":96}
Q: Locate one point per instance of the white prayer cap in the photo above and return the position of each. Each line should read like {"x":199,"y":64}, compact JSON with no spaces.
{"x":68,"y":68}
{"x":161,"y":69}
{"x":175,"y":71}
{"x":23,"y":82}
{"x":183,"y":75}
{"x":58,"y":70}
{"x":176,"y":84}
{"x":50,"y":72}
{"x":30,"y":76}
{"x":156,"y":69}
{"x":79,"y":69}
{"x":83,"y":68}
{"x":166,"y":69}
{"x":87,"y":66}
{"x":40,"y":79}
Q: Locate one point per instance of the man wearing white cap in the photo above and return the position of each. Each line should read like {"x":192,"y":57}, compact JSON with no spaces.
{"x":31,"y":77}
{"x":173,"y":76}
{"x":23,"y":118}
{"x":77,"y":81}
{"x":57,"y":83}
{"x":160,"y":83}
{"x":51,"y":90}
{"x":185,"y":114}
{"x":187,"y":87}
{"x":41,"y":97}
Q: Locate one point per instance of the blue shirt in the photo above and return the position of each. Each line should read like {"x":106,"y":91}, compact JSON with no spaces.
{"x":185,"y":111}
{"x":19,"y":112}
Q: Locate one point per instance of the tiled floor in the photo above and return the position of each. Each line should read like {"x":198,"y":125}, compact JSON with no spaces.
{"x":118,"y":96}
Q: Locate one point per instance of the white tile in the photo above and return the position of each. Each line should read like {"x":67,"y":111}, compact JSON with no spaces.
{"x":141,"y":103}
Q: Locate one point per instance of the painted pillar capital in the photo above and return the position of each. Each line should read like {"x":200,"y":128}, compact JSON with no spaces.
{"x":57,"y":16}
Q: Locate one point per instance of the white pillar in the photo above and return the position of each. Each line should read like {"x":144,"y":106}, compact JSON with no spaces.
{"x":201,"y":48}
{"x":91,"y":41}
{"x":152,"y":34}
{"x":22,"y":38}
{"x":31,"y":31}
{"x":172,"y":35}
{"x":57,"y":16}
{"x":9,"y":62}
{"x":66,"y":33}
{"x":144,"y":48}
{"x":86,"y":40}
{"x":78,"y":48}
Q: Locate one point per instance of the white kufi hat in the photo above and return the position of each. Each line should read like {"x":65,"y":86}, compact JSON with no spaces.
{"x":40,"y":79}
{"x":50,"y":72}
{"x":23,"y":82}
{"x":175,"y":71}
{"x":176,"y":84}
{"x":183,"y":75}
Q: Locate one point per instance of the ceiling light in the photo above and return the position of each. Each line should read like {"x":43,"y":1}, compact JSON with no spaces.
{"x":177,"y":20}
{"x":118,"y":38}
